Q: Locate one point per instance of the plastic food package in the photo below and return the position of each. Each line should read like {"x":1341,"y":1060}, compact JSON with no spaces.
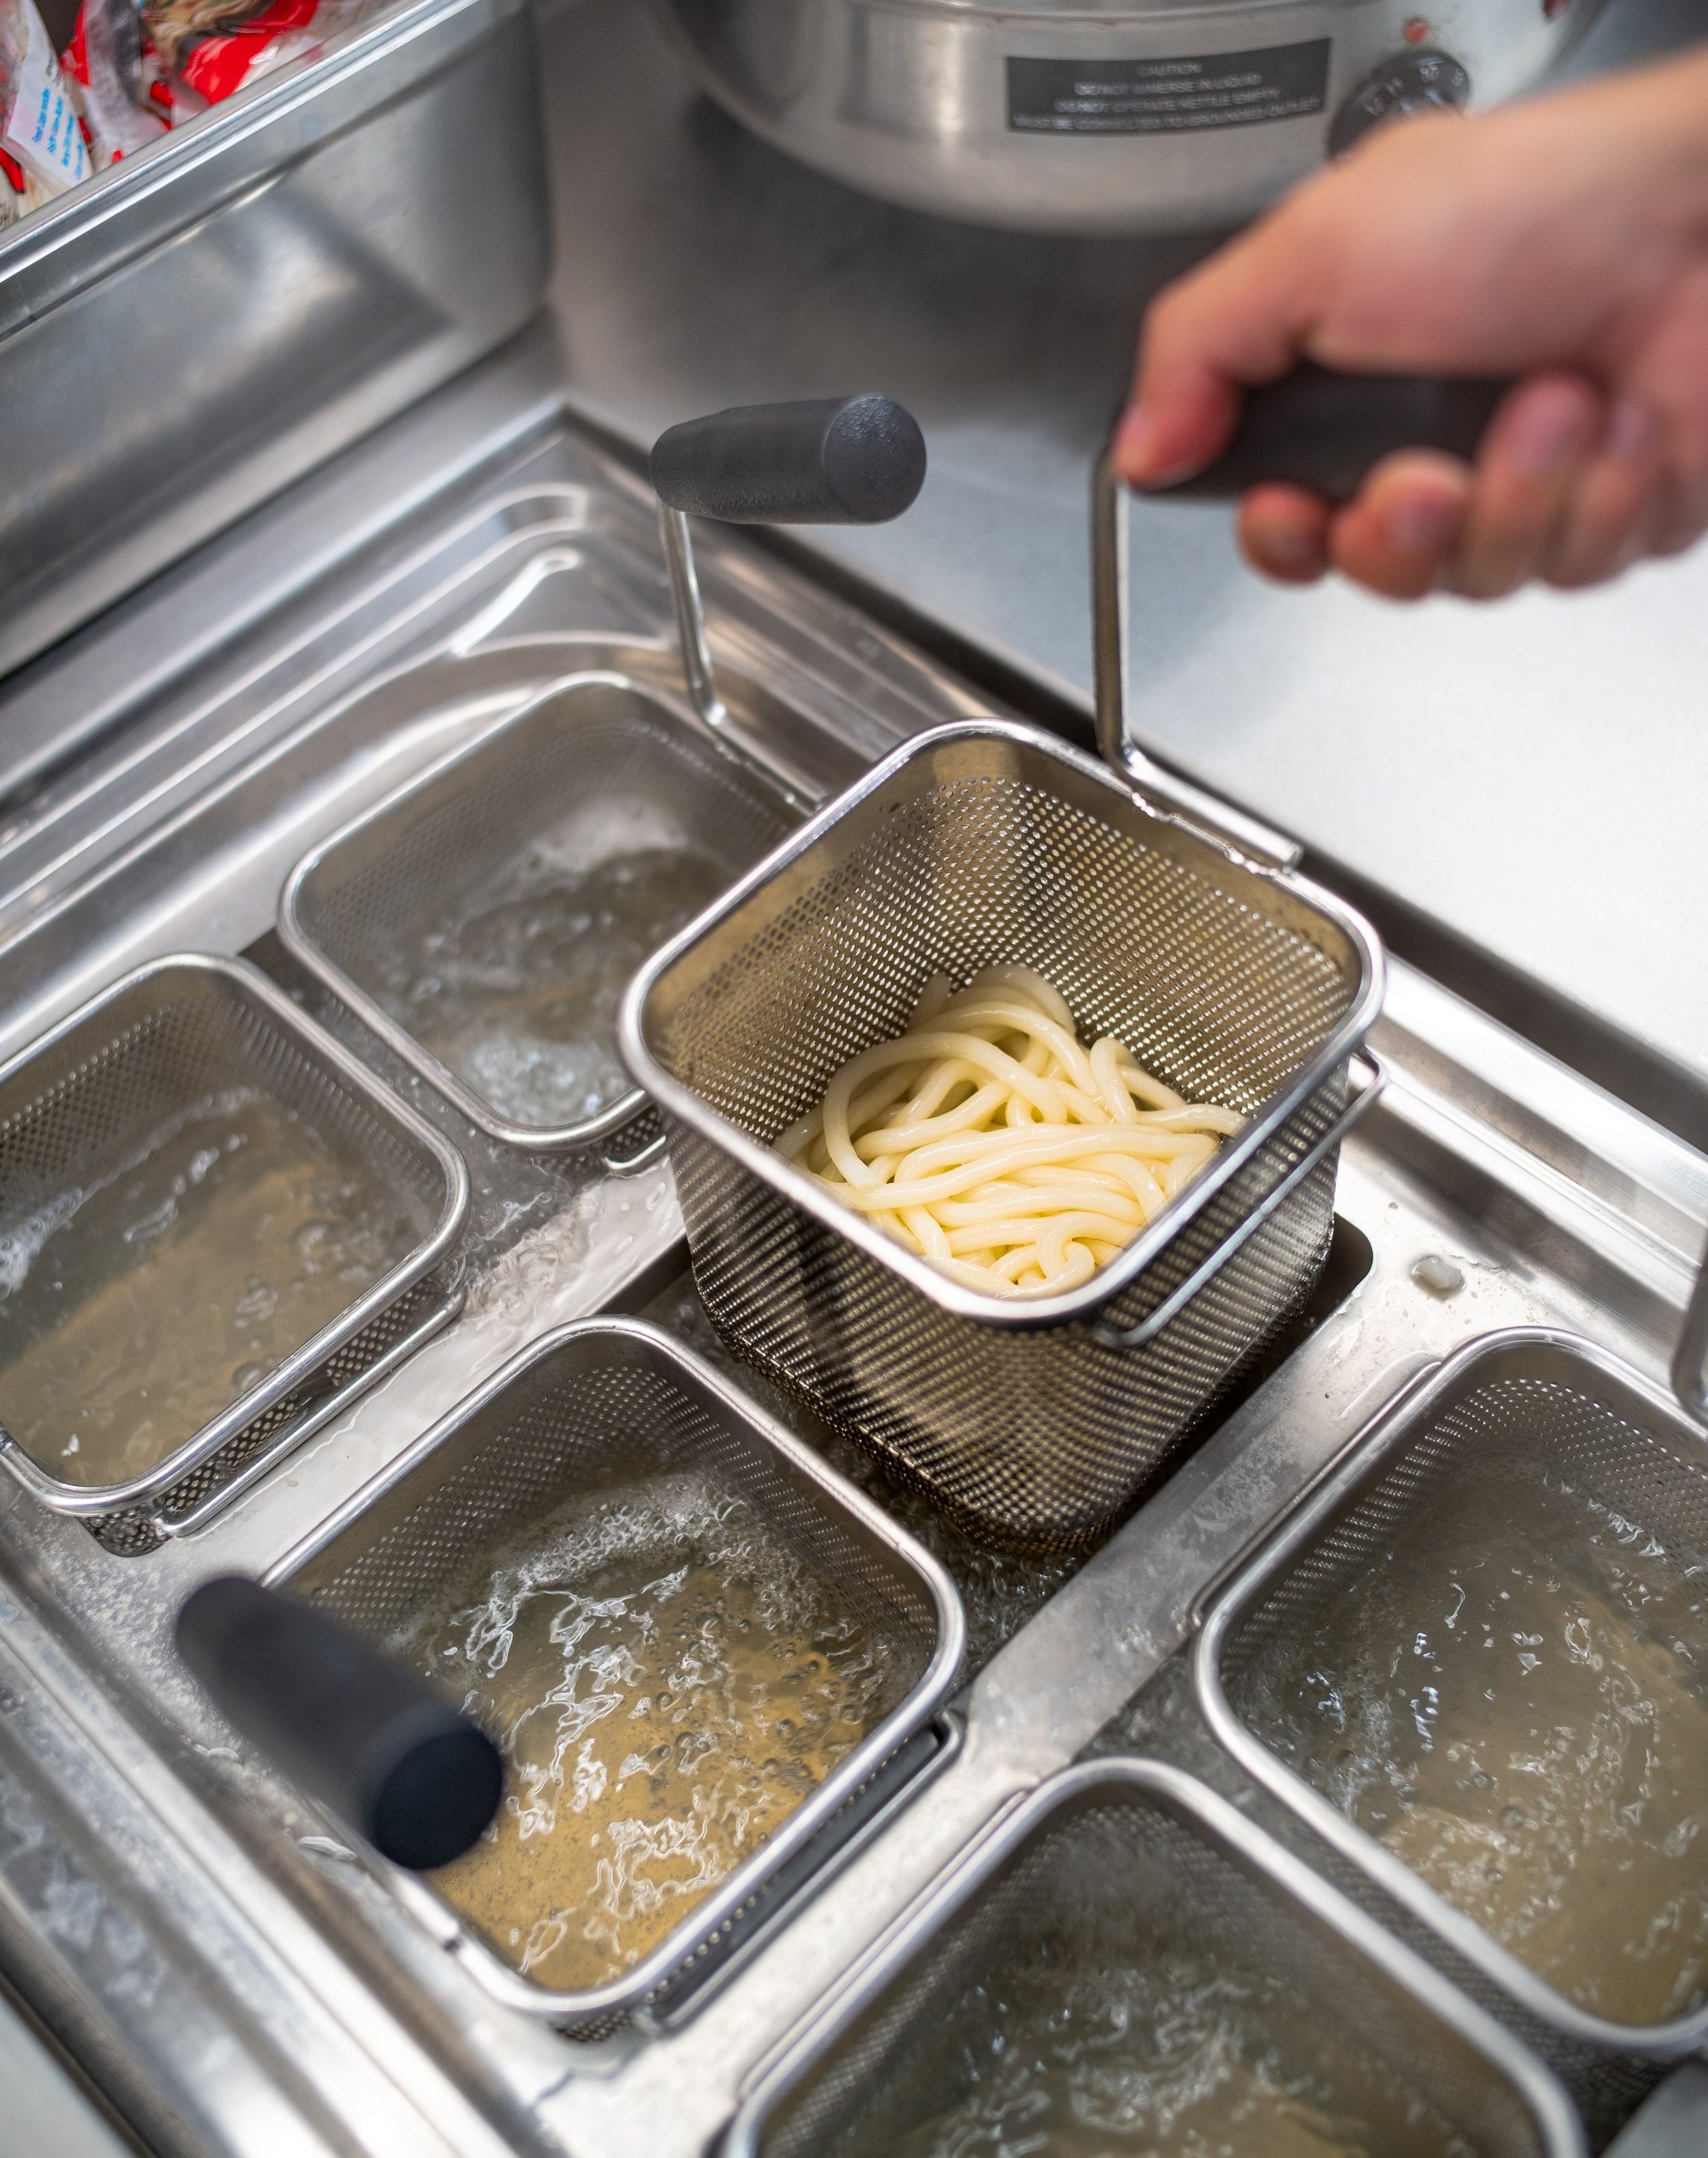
{"x":207,"y":50}
{"x":112,"y":81}
{"x":133,"y":69}
{"x":42,"y":149}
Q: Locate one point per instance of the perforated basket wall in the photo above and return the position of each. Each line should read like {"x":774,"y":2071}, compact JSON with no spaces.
{"x":169,"y":1037}
{"x":602,"y":1407}
{"x":1114,"y":1875}
{"x":1224,"y":979}
{"x":594,"y":760}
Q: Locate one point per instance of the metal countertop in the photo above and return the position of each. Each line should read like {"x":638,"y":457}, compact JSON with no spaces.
{"x":1531,"y":775}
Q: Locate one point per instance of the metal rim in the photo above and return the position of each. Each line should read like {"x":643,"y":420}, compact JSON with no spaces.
{"x":527,"y":1139}
{"x":88,"y":1499}
{"x":102,"y":199}
{"x":1555,"y":2116}
{"x":626,"y":1993}
{"x":1386,"y":1435}
{"x":806,"y":1192}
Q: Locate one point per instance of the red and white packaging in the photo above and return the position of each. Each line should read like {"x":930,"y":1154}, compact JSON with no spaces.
{"x":42,"y":149}
{"x":112,"y":81}
{"x":209,"y":49}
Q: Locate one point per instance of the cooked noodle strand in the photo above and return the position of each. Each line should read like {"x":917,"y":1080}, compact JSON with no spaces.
{"x":990,"y":1139}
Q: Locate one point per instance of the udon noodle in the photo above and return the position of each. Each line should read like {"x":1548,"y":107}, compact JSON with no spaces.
{"x":990,"y":1139}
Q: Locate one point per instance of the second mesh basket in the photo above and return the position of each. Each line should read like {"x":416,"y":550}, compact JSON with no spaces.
{"x":1235,"y":982}
{"x":1126,"y":1962}
{"x":1471,"y":1660}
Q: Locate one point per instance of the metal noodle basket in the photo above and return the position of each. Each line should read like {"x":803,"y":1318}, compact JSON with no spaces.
{"x":1105,"y":1866}
{"x":1236,"y":982}
{"x":1495,"y":1419}
{"x":598,"y":765}
{"x":74,"y":1104}
{"x":598,"y":1404}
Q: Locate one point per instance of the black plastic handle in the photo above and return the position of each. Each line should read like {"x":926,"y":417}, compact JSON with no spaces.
{"x":1325,"y":431}
{"x":367,"y":1736}
{"x":826,"y":460}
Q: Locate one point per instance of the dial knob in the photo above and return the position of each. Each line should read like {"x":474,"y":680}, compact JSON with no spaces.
{"x":1409,"y":82}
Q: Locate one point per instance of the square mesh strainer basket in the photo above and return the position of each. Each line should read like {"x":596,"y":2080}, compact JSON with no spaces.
{"x":1104,"y":1868}
{"x":78,"y":1105}
{"x":1036,"y":1419}
{"x":1513,"y":1423}
{"x":598,"y":1405}
{"x":596,"y":768}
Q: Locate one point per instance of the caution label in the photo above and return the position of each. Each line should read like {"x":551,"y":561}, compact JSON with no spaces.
{"x":1168,"y":97}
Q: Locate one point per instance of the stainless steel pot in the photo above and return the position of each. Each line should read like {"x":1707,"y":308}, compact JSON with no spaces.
{"x":1101,"y":116}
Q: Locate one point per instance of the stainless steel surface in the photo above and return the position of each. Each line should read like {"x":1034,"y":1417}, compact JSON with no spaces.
{"x":46,"y":2110}
{"x":237,"y":1986}
{"x":1084,"y":115}
{"x":1112,"y":1860}
{"x":1528,"y":1399}
{"x":1468,"y":759}
{"x":75,"y":1104}
{"x":1673,"y":2123}
{"x":1689,"y":1368}
{"x":383,"y":206}
{"x":591,"y":1404}
{"x":600,"y":755}
{"x":975,"y":846}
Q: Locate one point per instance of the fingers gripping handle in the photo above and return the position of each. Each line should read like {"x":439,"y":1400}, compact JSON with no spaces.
{"x":358,"y":1729}
{"x":827,"y":461}
{"x":1328,"y":432}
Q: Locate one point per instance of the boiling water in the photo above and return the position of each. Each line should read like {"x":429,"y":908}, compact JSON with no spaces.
{"x":1514,"y":1700}
{"x":1173,"y":2059}
{"x":518,"y":997}
{"x":134,"y":1310}
{"x":667,"y":1682}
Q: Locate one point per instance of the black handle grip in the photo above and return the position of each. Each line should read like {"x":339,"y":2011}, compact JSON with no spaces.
{"x":827,"y":461}
{"x":1325,"y":431}
{"x":367,"y":1736}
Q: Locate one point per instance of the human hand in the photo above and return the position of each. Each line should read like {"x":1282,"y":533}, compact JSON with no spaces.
{"x":1562,"y":242}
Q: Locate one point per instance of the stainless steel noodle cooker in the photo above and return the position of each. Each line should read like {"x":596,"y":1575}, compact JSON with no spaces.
{"x":1165,"y":918}
{"x":1099,"y":116}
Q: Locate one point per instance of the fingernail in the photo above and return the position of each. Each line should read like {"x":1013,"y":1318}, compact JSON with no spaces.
{"x":1135,"y":449}
{"x":1630,"y":431}
{"x":1424,"y":524}
{"x":1544,"y":435}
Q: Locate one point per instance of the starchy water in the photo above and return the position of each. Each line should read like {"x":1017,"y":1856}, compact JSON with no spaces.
{"x":1173,"y":2057}
{"x":1511,"y":1696}
{"x":133,"y":1310}
{"x":669,"y":1682}
{"x":517,"y":993}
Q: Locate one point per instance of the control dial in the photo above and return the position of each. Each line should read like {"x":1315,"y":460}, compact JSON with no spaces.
{"x":1409,"y":82}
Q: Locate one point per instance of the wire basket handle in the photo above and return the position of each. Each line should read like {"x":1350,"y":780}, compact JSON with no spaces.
{"x":815,"y":461}
{"x":1314,"y":429}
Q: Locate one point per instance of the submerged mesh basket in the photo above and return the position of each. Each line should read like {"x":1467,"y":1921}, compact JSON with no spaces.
{"x":597,"y":766}
{"x":608,"y":1402}
{"x":1511,"y":1420}
{"x":176,"y":1032}
{"x":1106,"y":1870}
